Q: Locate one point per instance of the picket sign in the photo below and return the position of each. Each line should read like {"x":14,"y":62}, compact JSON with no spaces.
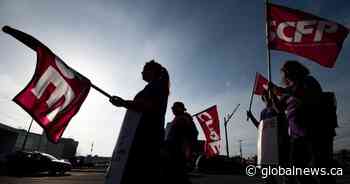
{"x":267,"y":145}
{"x":121,"y":150}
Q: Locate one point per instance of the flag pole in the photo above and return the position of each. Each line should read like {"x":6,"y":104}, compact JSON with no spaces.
{"x":101,"y":91}
{"x":26,"y":136}
{"x":251,"y":97}
{"x":267,"y":15}
{"x":226,"y":120}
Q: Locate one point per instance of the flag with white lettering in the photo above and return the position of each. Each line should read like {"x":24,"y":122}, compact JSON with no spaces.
{"x":304,"y":34}
{"x":209,"y":121}
{"x":56,"y":91}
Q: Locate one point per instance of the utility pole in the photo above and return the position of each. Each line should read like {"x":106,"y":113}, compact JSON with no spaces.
{"x":92,"y":148}
{"x":240,"y":149}
{"x":226,"y":120}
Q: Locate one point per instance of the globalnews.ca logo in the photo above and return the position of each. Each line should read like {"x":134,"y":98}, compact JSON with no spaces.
{"x":252,"y":170}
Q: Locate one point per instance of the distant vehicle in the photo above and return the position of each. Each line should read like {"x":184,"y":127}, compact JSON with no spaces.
{"x":23,"y":162}
{"x":219,"y":164}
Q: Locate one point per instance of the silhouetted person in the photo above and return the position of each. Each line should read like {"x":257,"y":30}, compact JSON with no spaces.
{"x":144,"y":156}
{"x":268,"y":112}
{"x":179,"y":144}
{"x":301,"y":94}
{"x":313,"y":117}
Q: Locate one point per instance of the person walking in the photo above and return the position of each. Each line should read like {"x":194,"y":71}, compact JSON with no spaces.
{"x":179,"y":144}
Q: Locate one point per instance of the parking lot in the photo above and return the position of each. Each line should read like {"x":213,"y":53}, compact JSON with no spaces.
{"x":91,"y":177}
{"x":98,"y":178}
{"x":69,"y":178}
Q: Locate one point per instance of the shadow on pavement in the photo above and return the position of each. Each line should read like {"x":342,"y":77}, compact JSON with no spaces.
{"x":38,"y":175}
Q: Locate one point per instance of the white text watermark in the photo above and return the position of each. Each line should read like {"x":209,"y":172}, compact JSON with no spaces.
{"x":252,"y":170}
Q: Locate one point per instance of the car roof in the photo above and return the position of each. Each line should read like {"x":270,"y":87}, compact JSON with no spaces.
{"x":38,"y":152}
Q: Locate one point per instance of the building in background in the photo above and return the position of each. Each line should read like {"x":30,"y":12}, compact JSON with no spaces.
{"x":11,"y":139}
{"x":8,"y":138}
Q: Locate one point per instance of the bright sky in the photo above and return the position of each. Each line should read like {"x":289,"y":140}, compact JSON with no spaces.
{"x":212,"y":50}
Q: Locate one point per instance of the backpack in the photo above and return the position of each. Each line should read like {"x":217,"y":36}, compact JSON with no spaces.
{"x":325,"y":118}
{"x":321,"y":116}
{"x":328,"y":108}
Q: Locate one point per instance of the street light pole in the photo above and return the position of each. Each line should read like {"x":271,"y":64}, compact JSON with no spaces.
{"x":226,"y":120}
{"x":227,"y":151}
{"x":240,"y":148}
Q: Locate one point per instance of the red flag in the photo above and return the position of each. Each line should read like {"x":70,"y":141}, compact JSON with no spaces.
{"x":209,"y":121}
{"x":55,"y":92}
{"x":305,"y":35}
{"x":261,"y":84}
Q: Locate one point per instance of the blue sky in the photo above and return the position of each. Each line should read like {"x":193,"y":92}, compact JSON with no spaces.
{"x":212,"y":50}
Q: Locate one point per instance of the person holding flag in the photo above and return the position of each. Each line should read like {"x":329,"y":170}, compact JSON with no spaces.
{"x":306,"y":118}
{"x":311,"y":113}
{"x":302,"y":93}
{"x":56,"y":92}
{"x":268,"y":113}
{"x":144,"y":155}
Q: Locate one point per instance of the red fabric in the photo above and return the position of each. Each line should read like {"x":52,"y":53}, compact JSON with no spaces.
{"x":306,"y":35}
{"x":261,"y":84}
{"x":209,"y":121}
{"x":54,"y":94}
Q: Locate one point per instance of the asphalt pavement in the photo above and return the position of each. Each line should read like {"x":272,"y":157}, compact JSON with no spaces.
{"x":91,"y":177}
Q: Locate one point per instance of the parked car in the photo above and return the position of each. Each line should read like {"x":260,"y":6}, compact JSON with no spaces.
{"x":23,"y":162}
{"x":219,"y":164}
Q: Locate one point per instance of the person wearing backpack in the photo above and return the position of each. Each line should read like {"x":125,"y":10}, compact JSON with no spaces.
{"x":319,"y":111}
{"x":311,"y":114}
{"x":299,"y":101}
